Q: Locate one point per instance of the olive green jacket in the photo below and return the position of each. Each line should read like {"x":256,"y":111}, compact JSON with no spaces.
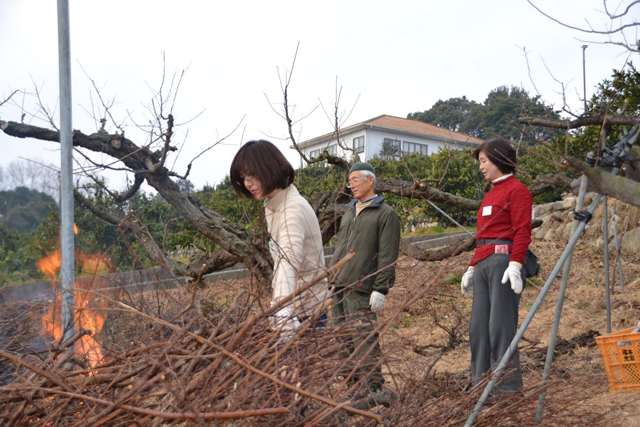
{"x":374,"y":236}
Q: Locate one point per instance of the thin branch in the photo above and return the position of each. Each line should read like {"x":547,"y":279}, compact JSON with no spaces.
{"x":43,"y":108}
{"x":107,"y":107}
{"x":180,"y":416}
{"x":97,"y":166}
{"x":595,"y":120}
{"x":219,"y":141}
{"x":584,"y":30}
{"x":620,"y":15}
{"x":565,"y":107}
{"x":10,"y":96}
{"x":526,"y":59}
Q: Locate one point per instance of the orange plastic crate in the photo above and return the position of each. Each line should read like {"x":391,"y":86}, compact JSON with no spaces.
{"x":621,"y":355}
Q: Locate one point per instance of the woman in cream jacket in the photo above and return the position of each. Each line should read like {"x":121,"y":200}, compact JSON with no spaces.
{"x":260,"y":171}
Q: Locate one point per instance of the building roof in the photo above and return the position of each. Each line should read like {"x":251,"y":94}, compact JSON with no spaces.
{"x":395,"y":124}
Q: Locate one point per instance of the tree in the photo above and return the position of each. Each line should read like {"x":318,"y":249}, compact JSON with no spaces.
{"x":497,"y":116}
{"x":35,"y":175}
{"x":501,"y":111}
{"x":455,"y":114}
{"x":193,"y":216}
{"x":390,"y":150}
{"x":23,"y":209}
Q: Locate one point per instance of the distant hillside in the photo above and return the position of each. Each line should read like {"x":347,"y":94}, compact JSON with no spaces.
{"x":22,"y":209}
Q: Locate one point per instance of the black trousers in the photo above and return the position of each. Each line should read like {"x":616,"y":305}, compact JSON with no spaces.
{"x":494,"y":321}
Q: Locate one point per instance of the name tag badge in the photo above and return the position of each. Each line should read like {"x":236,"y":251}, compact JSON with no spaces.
{"x":501,"y":249}
{"x":486,"y":210}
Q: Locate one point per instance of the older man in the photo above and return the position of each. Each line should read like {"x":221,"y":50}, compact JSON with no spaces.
{"x":371,"y":229}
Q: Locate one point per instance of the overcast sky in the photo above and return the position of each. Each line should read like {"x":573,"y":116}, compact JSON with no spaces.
{"x":391,"y":57}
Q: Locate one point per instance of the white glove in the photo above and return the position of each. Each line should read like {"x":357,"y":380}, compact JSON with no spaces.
{"x":513,"y":274}
{"x":376,"y":301}
{"x":465,"y":283}
{"x":287,"y":324}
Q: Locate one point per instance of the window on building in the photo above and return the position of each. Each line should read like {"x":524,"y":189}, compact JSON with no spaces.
{"x":329,"y":149}
{"x":409,"y":147}
{"x":358,"y":144}
{"x":314,"y":153}
{"x":391,"y":149}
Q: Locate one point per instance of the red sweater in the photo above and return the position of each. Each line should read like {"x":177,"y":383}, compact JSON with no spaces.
{"x":505,"y":213}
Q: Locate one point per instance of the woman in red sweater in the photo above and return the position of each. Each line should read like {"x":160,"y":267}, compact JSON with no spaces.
{"x":495,"y":272}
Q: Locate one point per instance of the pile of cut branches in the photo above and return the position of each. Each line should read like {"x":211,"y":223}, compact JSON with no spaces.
{"x":166,"y":362}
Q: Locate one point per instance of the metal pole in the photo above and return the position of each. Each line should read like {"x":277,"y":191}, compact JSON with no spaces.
{"x":556,"y":321}
{"x":584,"y":78}
{"x":618,"y":244}
{"x":605,"y":237}
{"x":534,"y":308}
{"x":449,"y":218}
{"x":66,"y":159}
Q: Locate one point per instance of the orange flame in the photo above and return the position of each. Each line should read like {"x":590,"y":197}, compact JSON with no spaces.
{"x":84,"y":317}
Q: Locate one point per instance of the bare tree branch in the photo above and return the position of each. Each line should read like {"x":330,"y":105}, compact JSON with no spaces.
{"x":48,"y":115}
{"x":585,"y":30}
{"x":562,"y":92}
{"x":556,"y":181}
{"x":107,"y":106}
{"x":526,"y":58}
{"x":9,"y":97}
{"x":219,"y":141}
{"x":623,"y":13}
{"x":601,"y":181}
{"x":211,"y":224}
{"x":422,"y":190}
{"x":595,"y":120}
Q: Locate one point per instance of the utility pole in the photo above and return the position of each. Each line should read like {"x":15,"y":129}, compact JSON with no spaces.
{"x":584,"y":78}
{"x":67,"y":268}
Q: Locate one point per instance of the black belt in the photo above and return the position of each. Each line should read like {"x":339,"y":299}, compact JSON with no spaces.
{"x":482,"y":242}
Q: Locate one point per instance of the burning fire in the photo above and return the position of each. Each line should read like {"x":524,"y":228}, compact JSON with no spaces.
{"x":84,"y":299}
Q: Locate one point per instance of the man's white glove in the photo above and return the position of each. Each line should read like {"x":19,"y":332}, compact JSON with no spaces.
{"x":513,"y":274}
{"x":287,"y":323}
{"x":376,"y":301}
{"x":465,"y":283}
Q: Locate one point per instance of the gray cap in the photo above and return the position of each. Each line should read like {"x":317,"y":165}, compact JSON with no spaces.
{"x":361,"y":166}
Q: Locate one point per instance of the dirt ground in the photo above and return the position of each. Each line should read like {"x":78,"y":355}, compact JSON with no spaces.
{"x":584,"y":310}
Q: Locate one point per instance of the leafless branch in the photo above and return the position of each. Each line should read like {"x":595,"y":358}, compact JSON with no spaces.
{"x":619,"y":15}
{"x":99,"y":166}
{"x":43,"y":108}
{"x":613,"y":30}
{"x":594,"y":120}
{"x":284,"y":85}
{"x":565,"y":106}
{"x":585,"y":30}
{"x":526,"y":58}
{"x":217,"y":142}
{"x":9,"y":97}
{"x":106,"y":106}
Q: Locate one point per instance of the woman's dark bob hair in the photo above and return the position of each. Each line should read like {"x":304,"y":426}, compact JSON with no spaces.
{"x":500,"y":152}
{"x":262,"y":160}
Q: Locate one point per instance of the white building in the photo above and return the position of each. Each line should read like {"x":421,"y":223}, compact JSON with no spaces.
{"x":387,"y":136}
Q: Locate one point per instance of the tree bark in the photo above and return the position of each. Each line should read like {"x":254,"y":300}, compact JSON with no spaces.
{"x":421,"y":190}
{"x":441,"y":252}
{"x":550,"y":181}
{"x":580,"y":121}
{"x":601,"y":181}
